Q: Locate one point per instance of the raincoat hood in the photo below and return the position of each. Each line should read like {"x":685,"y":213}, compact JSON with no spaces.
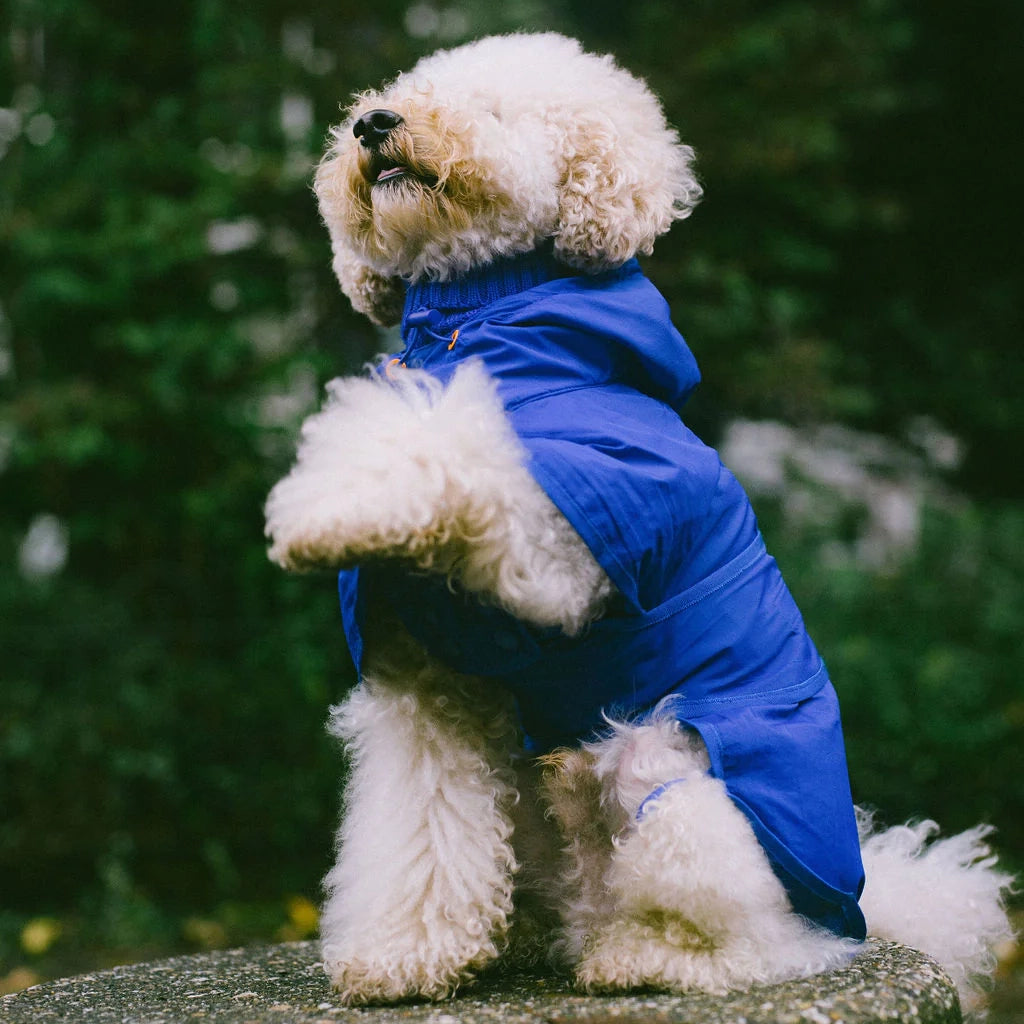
{"x":615,"y":324}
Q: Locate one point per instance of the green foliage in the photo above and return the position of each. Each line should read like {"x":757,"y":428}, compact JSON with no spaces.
{"x":169,"y":685}
{"x":168,"y":315}
{"x":927,"y":658}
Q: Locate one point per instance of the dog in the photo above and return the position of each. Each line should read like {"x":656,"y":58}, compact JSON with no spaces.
{"x":589,"y":717}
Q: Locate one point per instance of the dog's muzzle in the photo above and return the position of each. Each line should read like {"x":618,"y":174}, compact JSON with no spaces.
{"x":373,"y":130}
{"x":382,"y":159}
{"x":374,"y":127}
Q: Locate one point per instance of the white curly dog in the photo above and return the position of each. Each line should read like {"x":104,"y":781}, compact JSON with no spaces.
{"x":588,"y":711}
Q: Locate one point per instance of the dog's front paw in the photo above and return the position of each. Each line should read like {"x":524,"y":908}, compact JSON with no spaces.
{"x":370,"y":478}
{"x":399,"y":974}
{"x":400,"y":467}
{"x":336,"y":522}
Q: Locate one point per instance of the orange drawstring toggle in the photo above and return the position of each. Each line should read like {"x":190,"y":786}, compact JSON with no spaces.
{"x":392,"y":365}
{"x":455,"y":338}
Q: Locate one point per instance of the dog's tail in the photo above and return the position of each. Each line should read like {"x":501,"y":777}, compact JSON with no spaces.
{"x":944,"y":897}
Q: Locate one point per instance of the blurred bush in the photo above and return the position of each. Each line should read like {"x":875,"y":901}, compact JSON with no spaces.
{"x":926,"y":654}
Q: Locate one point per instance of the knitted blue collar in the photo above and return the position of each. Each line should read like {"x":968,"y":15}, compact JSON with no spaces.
{"x":442,"y":305}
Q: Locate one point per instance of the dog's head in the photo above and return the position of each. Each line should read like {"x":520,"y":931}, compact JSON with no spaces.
{"x":486,"y":151}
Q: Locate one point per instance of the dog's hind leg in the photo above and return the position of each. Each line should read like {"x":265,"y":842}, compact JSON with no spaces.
{"x":422,"y":889}
{"x":696,"y":904}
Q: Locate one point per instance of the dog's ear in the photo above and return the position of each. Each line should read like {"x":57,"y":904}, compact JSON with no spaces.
{"x":378,"y":297}
{"x":621,"y":189}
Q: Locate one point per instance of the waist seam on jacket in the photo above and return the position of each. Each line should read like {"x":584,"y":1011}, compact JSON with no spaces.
{"x":792,"y":694}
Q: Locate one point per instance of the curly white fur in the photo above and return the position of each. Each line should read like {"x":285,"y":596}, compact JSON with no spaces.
{"x":943,"y":896}
{"x":648,"y":901}
{"x":421,"y":892}
{"x":503,"y":144}
{"x":665,"y":913}
{"x":403,"y":467}
{"x":509,"y":140}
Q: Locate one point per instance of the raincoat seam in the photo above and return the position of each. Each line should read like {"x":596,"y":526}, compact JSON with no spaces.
{"x":796,"y":692}
{"x":521,"y":403}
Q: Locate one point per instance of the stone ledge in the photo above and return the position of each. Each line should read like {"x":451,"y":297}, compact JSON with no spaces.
{"x":286,"y":985}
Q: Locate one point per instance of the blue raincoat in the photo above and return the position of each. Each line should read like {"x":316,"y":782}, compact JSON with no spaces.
{"x":593,"y":375}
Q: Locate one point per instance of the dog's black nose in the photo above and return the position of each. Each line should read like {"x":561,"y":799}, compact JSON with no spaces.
{"x":373,"y":127}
